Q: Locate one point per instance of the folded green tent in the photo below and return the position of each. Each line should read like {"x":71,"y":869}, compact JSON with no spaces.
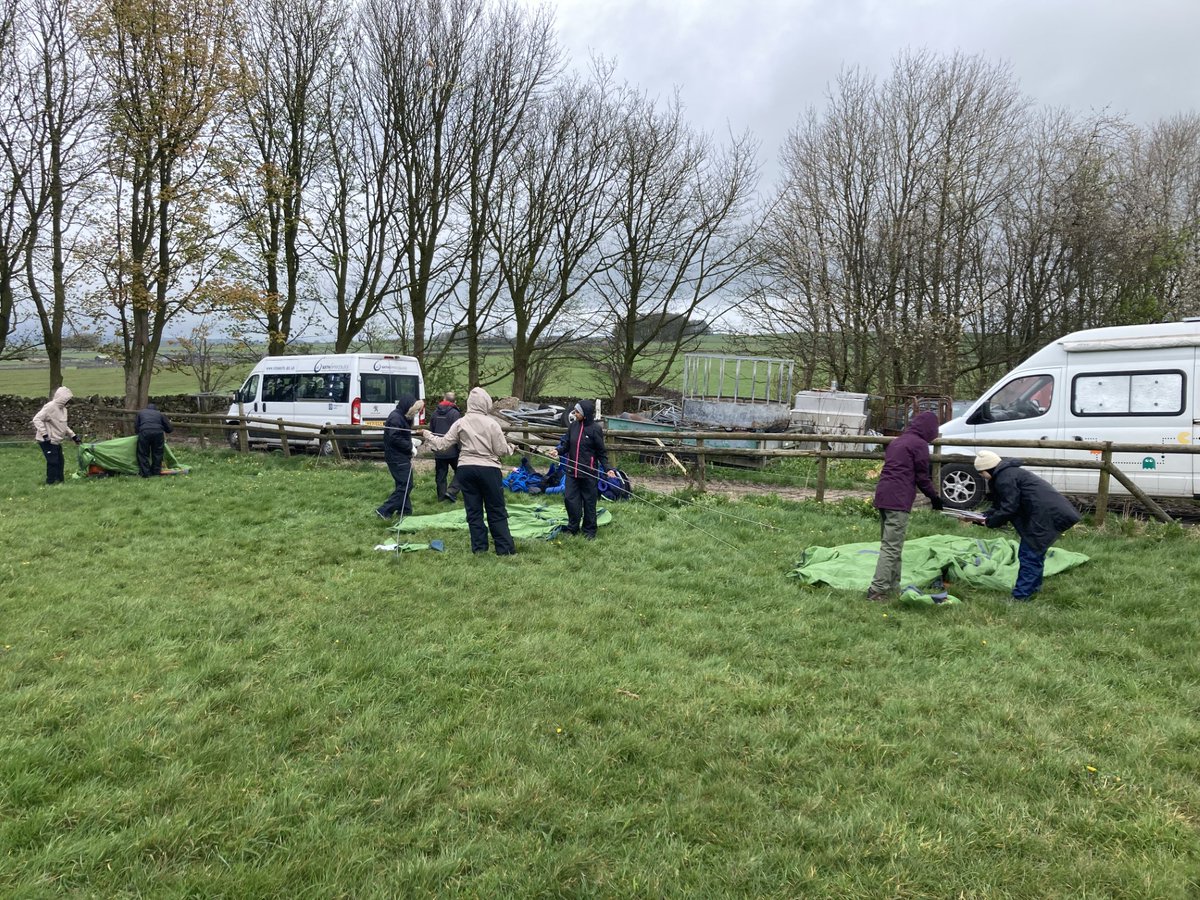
{"x":927,"y":563}
{"x":119,"y":457}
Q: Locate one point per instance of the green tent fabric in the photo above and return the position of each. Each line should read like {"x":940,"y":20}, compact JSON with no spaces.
{"x":119,"y":457}
{"x":983,"y":562}
{"x":524,"y":520}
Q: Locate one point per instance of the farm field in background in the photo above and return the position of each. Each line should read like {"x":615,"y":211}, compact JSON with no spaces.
{"x":575,"y":377}
{"x":213,"y":685}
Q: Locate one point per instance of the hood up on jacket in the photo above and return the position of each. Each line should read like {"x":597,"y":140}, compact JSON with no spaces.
{"x":403,"y":405}
{"x":62,"y":395}
{"x":925,"y":426}
{"x":479,"y":401}
{"x":588,"y":408}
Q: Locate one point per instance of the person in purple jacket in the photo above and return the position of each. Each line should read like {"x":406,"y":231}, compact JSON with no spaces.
{"x":905,"y":468}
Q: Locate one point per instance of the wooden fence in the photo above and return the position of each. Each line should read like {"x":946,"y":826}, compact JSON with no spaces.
{"x":693,"y":446}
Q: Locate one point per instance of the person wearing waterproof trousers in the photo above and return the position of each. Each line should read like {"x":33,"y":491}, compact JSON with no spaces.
{"x":1038,"y":513}
{"x":444,"y":415}
{"x":50,"y":429}
{"x":398,"y":453}
{"x":582,"y":451}
{"x":905,"y":469}
{"x":481,"y":444}
{"x":152,"y":427}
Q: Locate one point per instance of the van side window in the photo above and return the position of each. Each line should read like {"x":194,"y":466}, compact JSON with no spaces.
{"x":324,"y":387}
{"x":279,"y":388}
{"x":1149,"y":393}
{"x":1026,"y":397}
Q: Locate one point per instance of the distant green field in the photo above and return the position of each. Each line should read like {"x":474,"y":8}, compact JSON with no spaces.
{"x":574,"y":377}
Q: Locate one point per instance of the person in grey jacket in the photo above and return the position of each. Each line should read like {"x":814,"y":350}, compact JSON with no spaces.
{"x":50,"y":429}
{"x":151,"y":427}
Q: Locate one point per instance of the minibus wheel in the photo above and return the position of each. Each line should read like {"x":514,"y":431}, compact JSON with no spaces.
{"x":962,"y":487}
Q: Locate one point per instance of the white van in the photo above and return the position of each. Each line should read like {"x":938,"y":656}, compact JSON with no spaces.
{"x":1134,"y":384}
{"x":331,"y":389}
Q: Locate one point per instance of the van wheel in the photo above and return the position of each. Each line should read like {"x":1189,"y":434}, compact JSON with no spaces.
{"x":325,"y":448}
{"x":962,"y":487}
{"x":234,"y":442}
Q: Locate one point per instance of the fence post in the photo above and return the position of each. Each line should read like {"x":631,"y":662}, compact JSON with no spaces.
{"x":701,"y":465}
{"x":822,"y":471}
{"x":243,"y":431}
{"x":1102,"y":488}
{"x":333,"y":441}
{"x":283,"y":441}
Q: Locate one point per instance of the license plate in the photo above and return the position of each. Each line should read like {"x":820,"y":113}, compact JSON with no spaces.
{"x":373,"y":423}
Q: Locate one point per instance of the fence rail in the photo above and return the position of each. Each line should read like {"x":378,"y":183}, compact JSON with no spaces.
{"x":693,"y":446}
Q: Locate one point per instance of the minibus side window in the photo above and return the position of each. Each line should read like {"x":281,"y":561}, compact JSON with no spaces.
{"x":1026,"y":397}
{"x":1147,"y":393}
{"x":279,"y":388}
{"x":329,"y":387}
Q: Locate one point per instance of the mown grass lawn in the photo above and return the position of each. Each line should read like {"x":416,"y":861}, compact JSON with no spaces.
{"x":214,"y":686}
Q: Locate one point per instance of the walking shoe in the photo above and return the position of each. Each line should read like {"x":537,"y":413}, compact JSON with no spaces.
{"x":876,"y":597}
{"x":379,"y":513}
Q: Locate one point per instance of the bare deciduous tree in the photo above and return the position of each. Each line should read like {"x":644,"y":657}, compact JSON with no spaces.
{"x":681,"y":238}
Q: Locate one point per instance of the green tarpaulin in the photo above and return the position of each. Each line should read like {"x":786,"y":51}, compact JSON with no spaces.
{"x":524,"y":521}
{"x":119,"y":457}
{"x":987,"y":563}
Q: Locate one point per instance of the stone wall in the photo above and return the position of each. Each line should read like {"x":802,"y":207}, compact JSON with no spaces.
{"x":93,"y":417}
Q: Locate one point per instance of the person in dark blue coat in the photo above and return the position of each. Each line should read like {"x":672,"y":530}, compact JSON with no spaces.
{"x":1038,"y":513}
{"x":905,"y":469}
{"x":584,"y":458}
{"x":152,"y":427}
{"x":445,"y":414}
{"x":398,"y":453}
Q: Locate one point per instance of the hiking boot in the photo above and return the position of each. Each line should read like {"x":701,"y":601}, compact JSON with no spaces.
{"x":876,"y":597}
{"x":379,"y":512}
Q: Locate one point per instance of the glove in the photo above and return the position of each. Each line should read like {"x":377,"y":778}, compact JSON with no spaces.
{"x":42,"y":439}
{"x":77,"y":439}
{"x":936,"y":502}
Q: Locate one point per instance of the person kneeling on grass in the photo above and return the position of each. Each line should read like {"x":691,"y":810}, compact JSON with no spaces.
{"x":1038,"y":513}
{"x":905,"y":468}
{"x":481,"y":443}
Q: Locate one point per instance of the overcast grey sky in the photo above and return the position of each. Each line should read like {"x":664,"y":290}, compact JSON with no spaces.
{"x":757,"y":65}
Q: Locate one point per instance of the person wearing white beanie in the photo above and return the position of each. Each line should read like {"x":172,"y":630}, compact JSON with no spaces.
{"x":986,"y":460}
{"x":1038,"y":513}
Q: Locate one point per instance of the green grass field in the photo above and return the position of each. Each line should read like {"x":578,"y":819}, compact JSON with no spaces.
{"x":214,"y":686}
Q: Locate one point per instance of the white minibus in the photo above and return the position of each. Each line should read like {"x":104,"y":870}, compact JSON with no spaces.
{"x":334,"y":389}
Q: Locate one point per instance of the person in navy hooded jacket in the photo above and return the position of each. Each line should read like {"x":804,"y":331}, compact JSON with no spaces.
{"x":905,"y":469}
{"x":582,"y":454}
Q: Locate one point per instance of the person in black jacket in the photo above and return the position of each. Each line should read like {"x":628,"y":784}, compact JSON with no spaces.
{"x":444,"y":415}
{"x":584,"y":458}
{"x":151,"y":427}
{"x":397,"y":453}
{"x":1038,"y":513}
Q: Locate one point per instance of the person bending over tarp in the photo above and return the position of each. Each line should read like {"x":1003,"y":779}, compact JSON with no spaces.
{"x":1038,"y":513}
{"x":152,"y":428}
